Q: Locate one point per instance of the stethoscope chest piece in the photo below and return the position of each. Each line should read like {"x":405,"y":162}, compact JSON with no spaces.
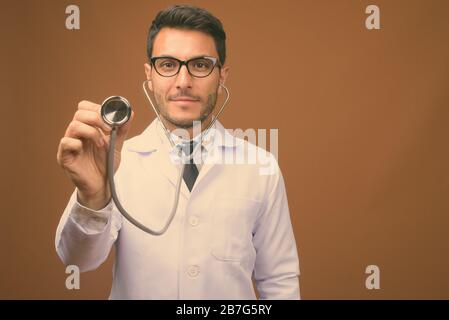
{"x":115,"y":111}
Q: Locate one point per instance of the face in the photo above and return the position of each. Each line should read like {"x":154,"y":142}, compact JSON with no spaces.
{"x":183,"y":99}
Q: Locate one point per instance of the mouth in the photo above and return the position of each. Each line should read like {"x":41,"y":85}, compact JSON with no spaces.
{"x":184,"y":99}
{"x":184,"y":102}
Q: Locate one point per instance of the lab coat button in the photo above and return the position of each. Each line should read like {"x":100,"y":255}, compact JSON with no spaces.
{"x":194,"y":221}
{"x":193,"y":271}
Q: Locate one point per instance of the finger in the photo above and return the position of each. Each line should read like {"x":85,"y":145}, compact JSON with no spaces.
{"x":68,"y":146}
{"x":87,"y":105}
{"x":91,"y":118}
{"x":77,"y":129}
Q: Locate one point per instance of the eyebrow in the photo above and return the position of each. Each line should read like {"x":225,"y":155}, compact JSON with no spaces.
{"x":194,"y":57}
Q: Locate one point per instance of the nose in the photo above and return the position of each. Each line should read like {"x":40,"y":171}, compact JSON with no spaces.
{"x":183,"y":79}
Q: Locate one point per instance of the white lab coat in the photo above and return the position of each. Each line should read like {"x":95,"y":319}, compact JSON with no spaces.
{"x":235,"y":224}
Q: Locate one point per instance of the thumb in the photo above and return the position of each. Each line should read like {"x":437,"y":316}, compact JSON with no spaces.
{"x":122,"y":132}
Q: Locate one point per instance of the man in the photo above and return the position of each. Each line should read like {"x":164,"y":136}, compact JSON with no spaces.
{"x":232,"y":223}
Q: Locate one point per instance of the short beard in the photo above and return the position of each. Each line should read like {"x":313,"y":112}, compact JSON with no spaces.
{"x":187,"y":124}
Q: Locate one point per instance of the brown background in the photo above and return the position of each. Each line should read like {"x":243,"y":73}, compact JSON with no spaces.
{"x":362,"y":118}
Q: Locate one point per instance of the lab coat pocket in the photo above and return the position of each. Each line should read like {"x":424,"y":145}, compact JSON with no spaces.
{"x":233,"y":220}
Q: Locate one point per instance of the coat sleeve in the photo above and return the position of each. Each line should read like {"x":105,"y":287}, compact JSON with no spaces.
{"x":276,"y":270}
{"x":84,"y":237}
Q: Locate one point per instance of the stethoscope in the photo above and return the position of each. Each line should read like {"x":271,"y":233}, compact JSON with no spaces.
{"x":116,"y":111}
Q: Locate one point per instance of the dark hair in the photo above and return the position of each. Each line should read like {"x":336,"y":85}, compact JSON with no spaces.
{"x":189,"y":18}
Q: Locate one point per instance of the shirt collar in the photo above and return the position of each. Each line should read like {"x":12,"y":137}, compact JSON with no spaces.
{"x":154,"y":136}
{"x":207,"y":139}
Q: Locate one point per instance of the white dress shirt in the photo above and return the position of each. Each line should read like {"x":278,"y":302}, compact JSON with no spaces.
{"x":233,"y":225}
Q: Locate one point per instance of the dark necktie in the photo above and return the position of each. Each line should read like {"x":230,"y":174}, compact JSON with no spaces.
{"x":190,"y":169}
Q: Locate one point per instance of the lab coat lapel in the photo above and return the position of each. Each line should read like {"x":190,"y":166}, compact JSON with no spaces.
{"x":222,"y":141}
{"x":154,"y":150}
{"x":168,"y":168}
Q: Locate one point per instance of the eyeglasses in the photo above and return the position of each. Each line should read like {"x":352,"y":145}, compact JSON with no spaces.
{"x":197,"y":67}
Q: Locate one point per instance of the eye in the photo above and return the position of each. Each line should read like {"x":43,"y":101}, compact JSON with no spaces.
{"x":201,"y":64}
{"x":167,"y":64}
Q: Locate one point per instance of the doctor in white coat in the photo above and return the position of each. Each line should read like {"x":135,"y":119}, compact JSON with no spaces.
{"x":232,"y":223}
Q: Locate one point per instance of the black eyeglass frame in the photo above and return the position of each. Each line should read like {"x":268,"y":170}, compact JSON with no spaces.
{"x":214,"y":60}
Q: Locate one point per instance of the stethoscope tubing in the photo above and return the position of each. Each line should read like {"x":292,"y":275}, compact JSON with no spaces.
{"x":185,"y":159}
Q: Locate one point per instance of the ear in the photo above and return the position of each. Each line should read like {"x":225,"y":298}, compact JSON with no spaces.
{"x":224,"y":71}
{"x":148,"y":74}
